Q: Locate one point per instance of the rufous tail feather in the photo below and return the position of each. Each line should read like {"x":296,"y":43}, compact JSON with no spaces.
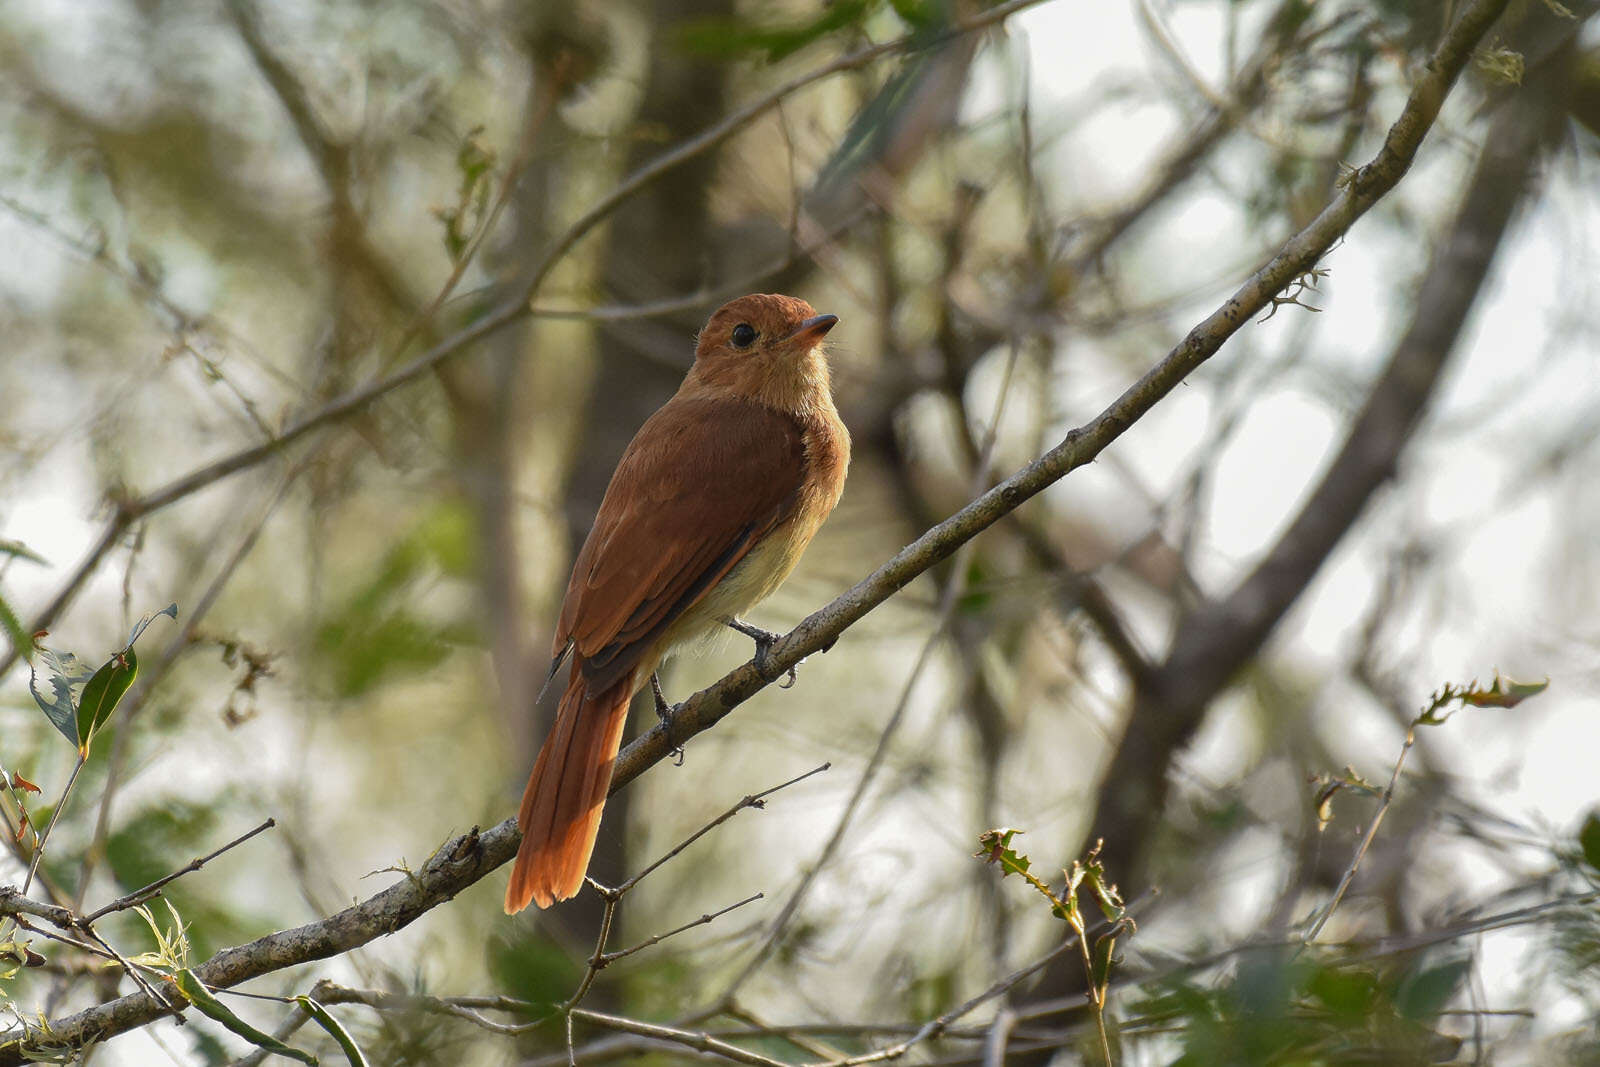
{"x":561,"y":807}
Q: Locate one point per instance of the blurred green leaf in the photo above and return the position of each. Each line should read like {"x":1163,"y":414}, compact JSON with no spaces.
{"x":21,"y":643}
{"x":376,"y":635}
{"x":367,"y":655}
{"x":20,"y":551}
{"x":1589,"y":839}
{"x":196,"y":993}
{"x":142,"y":849}
{"x":975,"y":600}
{"x":1424,"y":992}
{"x":1349,"y":994}
{"x":730,"y":37}
{"x":475,"y":163}
{"x":528,"y":965}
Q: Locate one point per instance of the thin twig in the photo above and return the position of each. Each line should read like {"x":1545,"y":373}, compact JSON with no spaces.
{"x":139,"y":896}
{"x":39,"y":842}
{"x":1365,"y":843}
{"x":656,"y":939}
{"x":753,"y":800}
{"x":593,"y":970}
{"x":613,"y":896}
{"x":994,"y":1046}
{"x":695,"y":1039}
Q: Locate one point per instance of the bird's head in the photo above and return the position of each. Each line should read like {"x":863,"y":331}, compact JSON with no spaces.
{"x":764,"y":347}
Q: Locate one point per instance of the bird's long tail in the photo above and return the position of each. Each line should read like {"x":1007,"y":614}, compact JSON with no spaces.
{"x":561,"y":807}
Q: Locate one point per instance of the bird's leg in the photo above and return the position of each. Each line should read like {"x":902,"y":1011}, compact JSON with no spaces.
{"x":764,"y":640}
{"x":664,"y":713}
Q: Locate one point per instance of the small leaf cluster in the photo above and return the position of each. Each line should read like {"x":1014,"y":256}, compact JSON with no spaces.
{"x":1277,"y":1006}
{"x":78,"y":701}
{"x":1090,"y":874}
{"x":475,"y":163}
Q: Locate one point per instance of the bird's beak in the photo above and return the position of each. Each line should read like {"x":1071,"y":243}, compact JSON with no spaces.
{"x":810,"y":331}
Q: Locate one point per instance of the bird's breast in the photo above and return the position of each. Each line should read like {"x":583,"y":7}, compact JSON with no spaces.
{"x":773,"y":558}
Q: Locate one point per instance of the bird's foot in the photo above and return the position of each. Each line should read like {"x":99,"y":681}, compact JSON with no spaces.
{"x":764,"y":640}
{"x":665,"y":713}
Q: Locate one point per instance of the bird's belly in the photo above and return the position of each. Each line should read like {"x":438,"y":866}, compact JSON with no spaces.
{"x":751,"y":581}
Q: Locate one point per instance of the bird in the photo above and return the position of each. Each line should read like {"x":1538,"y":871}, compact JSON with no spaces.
{"x":709,"y":510}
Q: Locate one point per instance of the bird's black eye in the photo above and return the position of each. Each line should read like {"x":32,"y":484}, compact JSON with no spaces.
{"x":744,"y":335}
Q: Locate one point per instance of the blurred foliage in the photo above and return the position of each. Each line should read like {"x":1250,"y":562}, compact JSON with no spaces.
{"x":1278,"y":1007}
{"x":726,"y":38}
{"x":377,"y":634}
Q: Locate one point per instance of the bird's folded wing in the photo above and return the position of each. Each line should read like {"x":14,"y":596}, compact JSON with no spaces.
{"x":700,"y":484}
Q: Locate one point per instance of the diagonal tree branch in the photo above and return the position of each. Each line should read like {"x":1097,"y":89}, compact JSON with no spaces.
{"x":1214,"y":640}
{"x":467,"y":858}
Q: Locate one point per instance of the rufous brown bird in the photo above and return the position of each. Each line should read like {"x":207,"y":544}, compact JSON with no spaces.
{"x":709,"y":510}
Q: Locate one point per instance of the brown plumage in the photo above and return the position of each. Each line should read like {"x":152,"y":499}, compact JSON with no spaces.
{"x":709,"y":510}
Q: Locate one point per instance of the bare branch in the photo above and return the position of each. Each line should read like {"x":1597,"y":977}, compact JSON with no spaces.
{"x":753,"y":800}
{"x":139,"y":896}
{"x":1212,"y":641}
{"x":656,"y":939}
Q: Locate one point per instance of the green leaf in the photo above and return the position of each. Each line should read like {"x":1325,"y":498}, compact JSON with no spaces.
{"x":1589,"y":839}
{"x":196,"y":993}
{"x":921,"y":14}
{"x":63,"y":671}
{"x":102,"y":694}
{"x":1102,"y":957}
{"x":21,"y":551}
{"x":1350,"y":994}
{"x":324,"y":1019}
{"x":996,"y":848}
{"x":79,"y":720}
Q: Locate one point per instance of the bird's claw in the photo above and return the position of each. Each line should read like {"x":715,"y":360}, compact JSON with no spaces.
{"x":666,"y":713}
{"x":764,"y":640}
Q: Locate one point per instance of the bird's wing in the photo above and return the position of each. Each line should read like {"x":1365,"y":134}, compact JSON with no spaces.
{"x":699,"y":485}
